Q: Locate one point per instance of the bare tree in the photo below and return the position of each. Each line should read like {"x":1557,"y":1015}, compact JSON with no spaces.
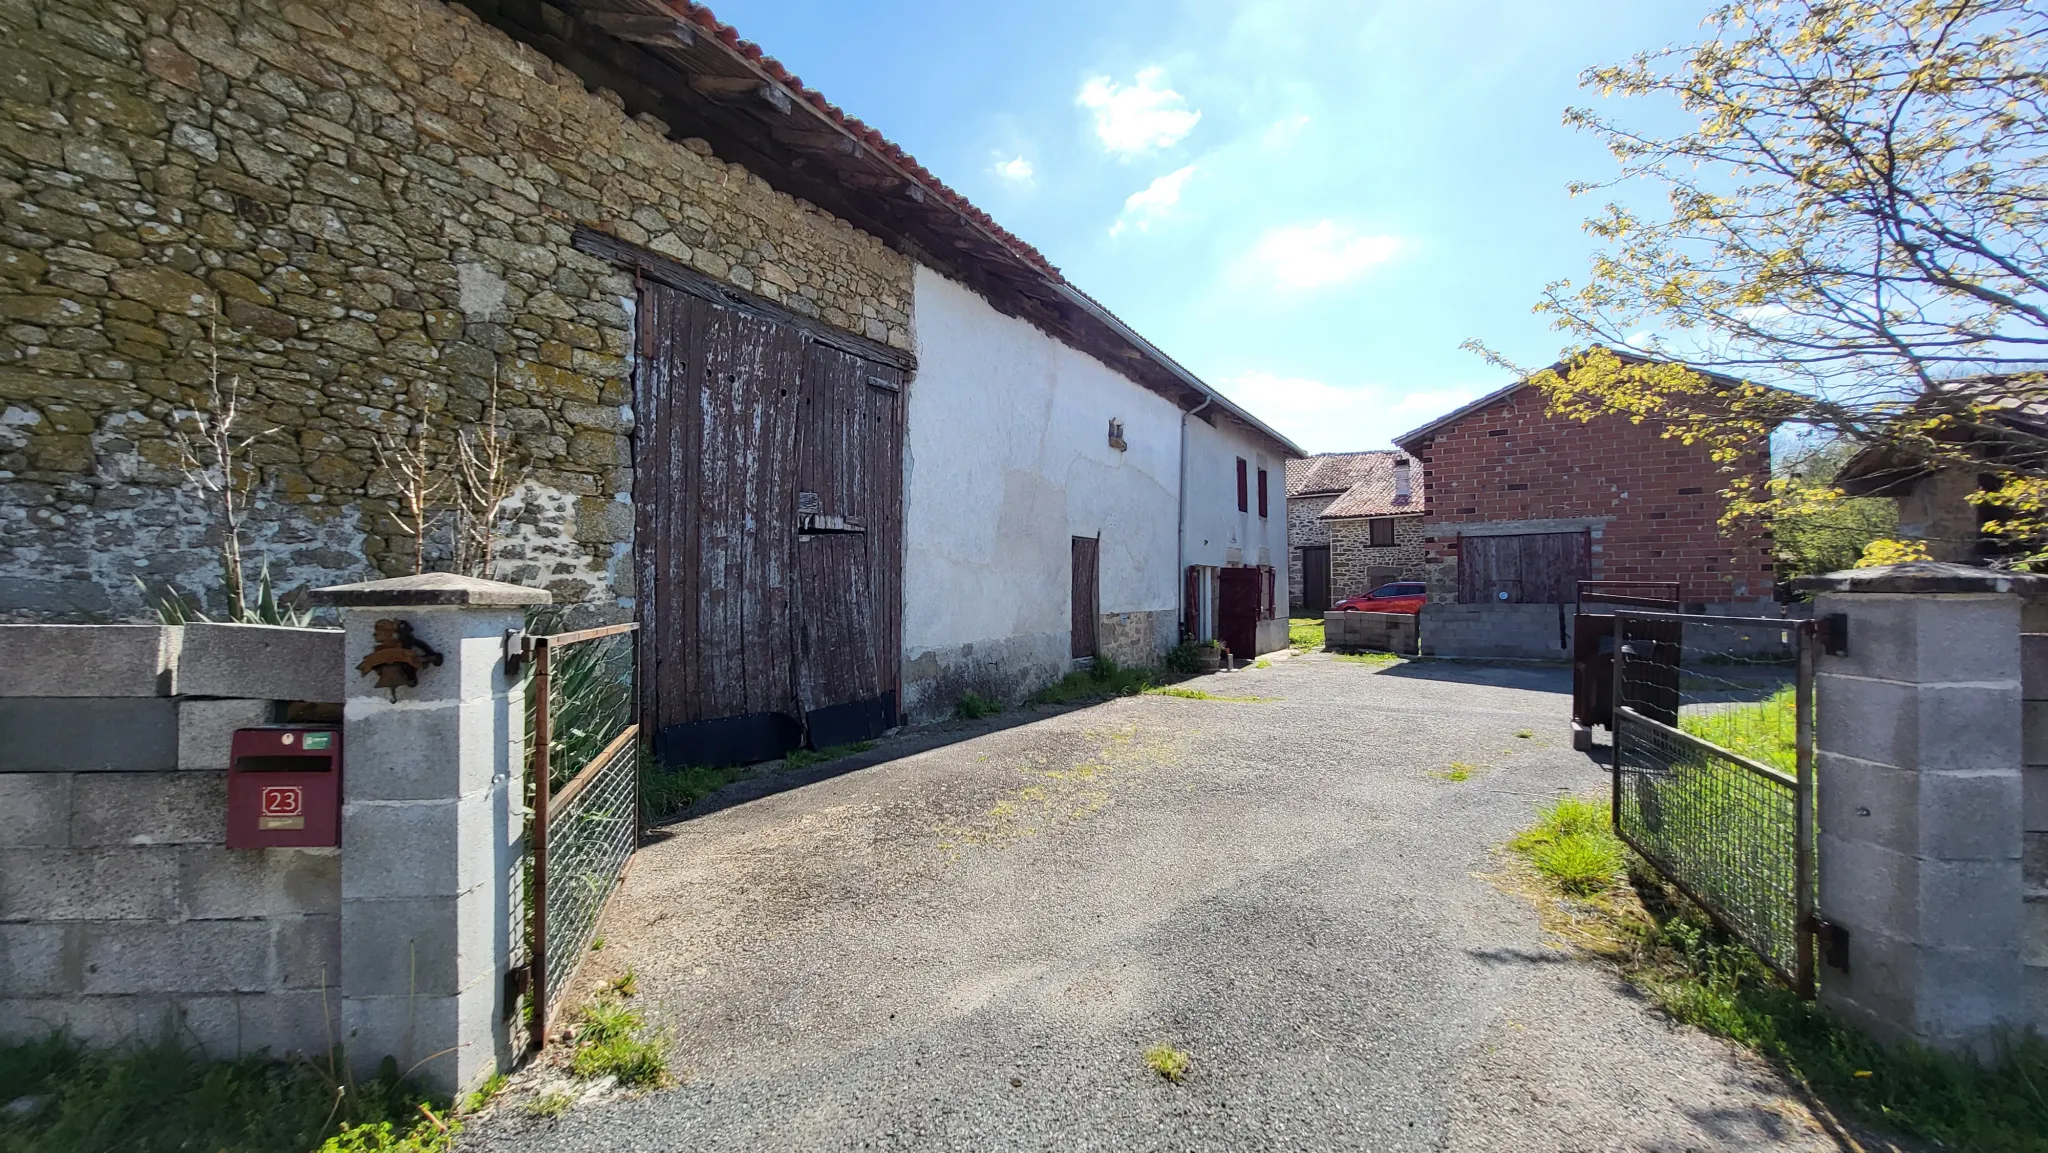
{"x":418,"y":486}
{"x":484,"y":481}
{"x":214,"y":457}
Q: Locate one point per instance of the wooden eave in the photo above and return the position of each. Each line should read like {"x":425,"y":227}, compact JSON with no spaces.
{"x":665,"y":66}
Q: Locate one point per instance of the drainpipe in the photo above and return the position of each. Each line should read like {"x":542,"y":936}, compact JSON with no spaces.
{"x":1180,"y":570}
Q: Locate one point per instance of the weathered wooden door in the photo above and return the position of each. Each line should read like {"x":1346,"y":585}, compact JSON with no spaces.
{"x":767,"y":491}
{"x":1315,"y":579}
{"x":1531,"y":568}
{"x":1238,"y":610}
{"x":1086,"y":601}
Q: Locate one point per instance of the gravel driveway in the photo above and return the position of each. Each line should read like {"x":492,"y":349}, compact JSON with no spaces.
{"x":968,"y":945}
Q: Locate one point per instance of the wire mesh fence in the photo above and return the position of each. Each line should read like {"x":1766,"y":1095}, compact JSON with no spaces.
{"x":591,"y":836}
{"x":582,"y":792}
{"x":1708,"y":771}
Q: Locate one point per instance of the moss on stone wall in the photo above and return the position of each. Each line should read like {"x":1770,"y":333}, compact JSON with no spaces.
{"x":365,"y":210}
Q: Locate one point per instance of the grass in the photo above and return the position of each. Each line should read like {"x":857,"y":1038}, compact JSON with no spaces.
{"x":1572,"y":845}
{"x":973,"y":706}
{"x":1525,"y":734}
{"x":165,"y":1098}
{"x":1699,"y":975}
{"x":1764,"y":731}
{"x":665,"y":792}
{"x":1168,"y":1062}
{"x":1377,"y":660}
{"x":802,"y":757}
{"x":610,"y":1042}
{"x":1304,"y":634}
{"x":1105,"y":678}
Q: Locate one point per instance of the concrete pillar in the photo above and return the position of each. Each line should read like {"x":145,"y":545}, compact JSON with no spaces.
{"x":1918,"y":779}
{"x":431,"y":830}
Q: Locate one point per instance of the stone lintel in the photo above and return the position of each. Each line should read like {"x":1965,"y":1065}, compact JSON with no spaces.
{"x":429,"y":589}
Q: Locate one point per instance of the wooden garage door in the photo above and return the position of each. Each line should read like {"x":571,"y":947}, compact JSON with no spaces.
{"x":1535,"y":568}
{"x":768,"y":499}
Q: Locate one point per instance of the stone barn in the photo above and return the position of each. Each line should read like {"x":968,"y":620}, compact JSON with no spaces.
{"x":593,"y":297}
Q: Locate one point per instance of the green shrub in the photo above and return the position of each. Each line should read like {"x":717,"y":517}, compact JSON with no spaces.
{"x":666,"y":791}
{"x":1105,"y":679}
{"x":1184,"y":658}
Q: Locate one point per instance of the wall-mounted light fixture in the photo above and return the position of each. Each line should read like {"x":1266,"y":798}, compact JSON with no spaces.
{"x":1116,"y":435}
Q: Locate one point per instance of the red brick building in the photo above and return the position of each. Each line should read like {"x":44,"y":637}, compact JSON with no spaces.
{"x":1519,"y":505}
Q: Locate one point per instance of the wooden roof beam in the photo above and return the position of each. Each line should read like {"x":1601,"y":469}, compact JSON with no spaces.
{"x":737,"y":89}
{"x":644,"y":28}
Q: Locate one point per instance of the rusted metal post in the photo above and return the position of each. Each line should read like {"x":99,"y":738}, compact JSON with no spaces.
{"x":1802,"y":814}
{"x":543,"y":736}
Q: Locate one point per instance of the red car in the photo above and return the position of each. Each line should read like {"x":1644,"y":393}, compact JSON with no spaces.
{"x":1403,"y":597}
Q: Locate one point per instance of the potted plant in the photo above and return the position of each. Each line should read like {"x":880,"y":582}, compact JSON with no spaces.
{"x":1209,"y":655}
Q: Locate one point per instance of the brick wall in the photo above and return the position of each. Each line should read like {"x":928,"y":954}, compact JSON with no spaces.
{"x":122,"y":911}
{"x":1353,"y":558}
{"x":366,"y":210}
{"x":1303,"y":529}
{"x":1654,"y":501}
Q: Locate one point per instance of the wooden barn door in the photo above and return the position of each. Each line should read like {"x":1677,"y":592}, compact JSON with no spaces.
{"x":739,"y":419}
{"x":1238,"y":610}
{"x":1315,"y":579}
{"x":1086,"y":600}
{"x":1532,"y":568}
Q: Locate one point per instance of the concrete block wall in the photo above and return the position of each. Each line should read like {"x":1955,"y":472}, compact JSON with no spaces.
{"x":1380,"y":632}
{"x":1500,"y":631}
{"x":2034,"y":820}
{"x":122,"y":912}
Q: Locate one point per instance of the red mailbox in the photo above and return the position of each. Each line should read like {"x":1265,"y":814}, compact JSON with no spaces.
{"x":284,"y":787}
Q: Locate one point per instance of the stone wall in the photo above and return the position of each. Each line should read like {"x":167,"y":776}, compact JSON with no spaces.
{"x":1657,"y":499}
{"x":362,"y":215}
{"x":1304,"y":530}
{"x":122,"y":912}
{"x":1353,"y":558}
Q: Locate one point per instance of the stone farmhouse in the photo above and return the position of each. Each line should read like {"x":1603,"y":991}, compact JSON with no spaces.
{"x":1521,"y":504}
{"x":1354,"y":523}
{"x":845,"y":446}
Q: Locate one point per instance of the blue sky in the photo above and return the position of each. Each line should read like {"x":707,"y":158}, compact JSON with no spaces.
{"x":1308,"y":203}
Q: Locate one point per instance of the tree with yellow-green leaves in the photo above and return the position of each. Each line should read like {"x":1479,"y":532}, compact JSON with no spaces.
{"x":1848,"y":235}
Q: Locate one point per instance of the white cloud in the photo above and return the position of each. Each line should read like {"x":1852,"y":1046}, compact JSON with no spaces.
{"x":1282,"y":133}
{"x":1152,"y":202}
{"x":1324,"y":417}
{"x":1138,"y":117}
{"x":1321,"y":254}
{"x":1016,"y":169}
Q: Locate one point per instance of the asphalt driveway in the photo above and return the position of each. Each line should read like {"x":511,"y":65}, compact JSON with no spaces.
{"x":969,"y":946}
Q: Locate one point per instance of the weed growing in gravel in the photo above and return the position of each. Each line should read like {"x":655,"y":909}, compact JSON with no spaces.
{"x":1168,"y":1062}
{"x":1376,"y":660}
{"x":1572,"y":845}
{"x":492,"y":1086}
{"x":1199,"y":695}
{"x":1459,"y":771}
{"x":624,"y":985}
{"x":1104,"y":679}
{"x":665,"y":791}
{"x":1526,"y":734}
{"x":804,"y":757}
{"x":1262,"y":663}
{"x":973,"y":706}
{"x":609,"y":1044}
{"x":551,"y":1105}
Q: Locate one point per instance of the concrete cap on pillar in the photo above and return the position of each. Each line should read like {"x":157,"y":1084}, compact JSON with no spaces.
{"x":427,"y":590}
{"x":1925,"y":576}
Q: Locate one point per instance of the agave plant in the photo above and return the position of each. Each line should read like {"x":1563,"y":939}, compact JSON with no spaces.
{"x":176,"y":608}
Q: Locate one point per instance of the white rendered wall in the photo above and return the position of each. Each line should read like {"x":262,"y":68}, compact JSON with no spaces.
{"x":1218,"y":534}
{"x":1007,"y":458}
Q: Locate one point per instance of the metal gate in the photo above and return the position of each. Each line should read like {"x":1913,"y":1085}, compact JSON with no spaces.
{"x":1713,"y":771}
{"x":583,"y":743}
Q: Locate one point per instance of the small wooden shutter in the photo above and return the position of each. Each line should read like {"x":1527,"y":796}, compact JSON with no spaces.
{"x":1262,"y":492}
{"x":1086,"y":598}
{"x":1243,"y":487}
{"x":1191,"y":613}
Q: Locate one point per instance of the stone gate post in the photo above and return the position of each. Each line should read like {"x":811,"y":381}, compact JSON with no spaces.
{"x":1918,"y":781}
{"x":431,"y":823}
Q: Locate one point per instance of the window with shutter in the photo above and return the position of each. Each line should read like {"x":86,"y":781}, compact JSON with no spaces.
{"x":1243,"y":487}
{"x":1381,"y":532}
{"x":1262,"y":492}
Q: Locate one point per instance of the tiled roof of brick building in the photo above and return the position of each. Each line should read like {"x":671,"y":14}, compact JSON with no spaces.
{"x":1365,"y":481}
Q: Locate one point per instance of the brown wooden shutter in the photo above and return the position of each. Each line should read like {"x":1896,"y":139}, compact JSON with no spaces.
{"x":1262,"y":492}
{"x":1243,"y":487}
{"x":1191,"y":617}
